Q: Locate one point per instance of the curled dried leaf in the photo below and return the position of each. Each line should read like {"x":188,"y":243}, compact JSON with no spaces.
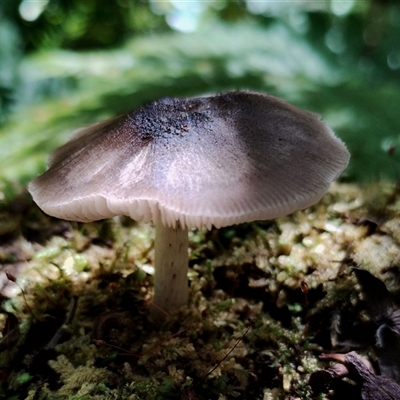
{"x":357,"y":368}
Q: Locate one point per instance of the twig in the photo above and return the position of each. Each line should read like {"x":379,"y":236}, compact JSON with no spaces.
{"x":63,"y":328}
{"x":230,"y":351}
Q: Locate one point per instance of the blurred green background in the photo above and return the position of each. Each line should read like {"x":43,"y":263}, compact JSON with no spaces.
{"x":67,"y":63}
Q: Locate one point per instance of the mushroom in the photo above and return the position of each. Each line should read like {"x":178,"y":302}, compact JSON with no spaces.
{"x":187,"y":163}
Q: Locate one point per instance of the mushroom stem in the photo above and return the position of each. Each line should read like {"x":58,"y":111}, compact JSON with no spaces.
{"x":171,"y":267}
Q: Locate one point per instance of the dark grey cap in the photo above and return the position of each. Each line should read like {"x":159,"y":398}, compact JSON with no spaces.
{"x":219,"y":160}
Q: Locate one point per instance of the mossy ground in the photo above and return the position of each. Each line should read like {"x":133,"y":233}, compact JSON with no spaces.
{"x":264,"y":301}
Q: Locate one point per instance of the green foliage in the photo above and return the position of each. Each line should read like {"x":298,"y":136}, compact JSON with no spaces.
{"x":23,"y":378}
{"x":225,"y":305}
{"x":315,"y":59}
{"x":168,"y":390}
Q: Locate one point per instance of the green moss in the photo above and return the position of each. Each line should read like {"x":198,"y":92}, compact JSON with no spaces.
{"x":243,"y":321}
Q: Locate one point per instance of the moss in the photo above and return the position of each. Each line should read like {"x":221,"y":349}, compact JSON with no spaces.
{"x":249,"y":330}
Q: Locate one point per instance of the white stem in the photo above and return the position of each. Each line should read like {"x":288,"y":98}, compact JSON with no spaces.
{"x":171,"y":267}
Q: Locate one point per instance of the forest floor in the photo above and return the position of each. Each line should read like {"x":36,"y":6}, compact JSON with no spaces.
{"x":267,"y":299}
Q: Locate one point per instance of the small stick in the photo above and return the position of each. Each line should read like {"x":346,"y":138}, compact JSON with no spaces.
{"x":166,"y":315}
{"x":70,"y":316}
{"x":230,"y":351}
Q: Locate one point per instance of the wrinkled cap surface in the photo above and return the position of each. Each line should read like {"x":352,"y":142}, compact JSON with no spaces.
{"x":219,"y":160}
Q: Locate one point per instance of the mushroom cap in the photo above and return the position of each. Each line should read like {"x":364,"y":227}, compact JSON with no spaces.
{"x":218,"y":160}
